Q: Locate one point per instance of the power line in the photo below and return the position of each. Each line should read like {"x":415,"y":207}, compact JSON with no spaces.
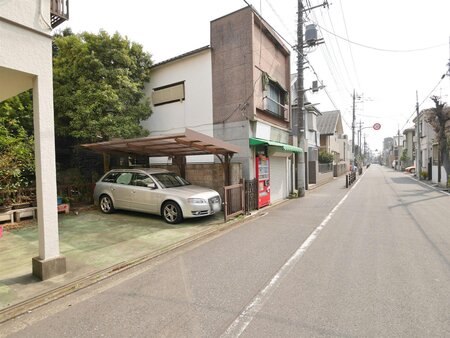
{"x":340,"y":51}
{"x":426,"y":97}
{"x":280,"y":19}
{"x":349,"y":45}
{"x":294,"y":48}
{"x":381,"y":49}
{"x":329,"y":60}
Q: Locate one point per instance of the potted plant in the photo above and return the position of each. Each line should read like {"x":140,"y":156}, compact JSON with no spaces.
{"x":21,"y":201}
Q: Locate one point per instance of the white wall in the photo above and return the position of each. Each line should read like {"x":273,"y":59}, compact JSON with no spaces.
{"x":27,"y":12}
{"x":196,"y":111}
{"x":24,"y":53}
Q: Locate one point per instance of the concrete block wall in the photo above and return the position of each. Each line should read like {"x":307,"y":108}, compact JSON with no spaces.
{"x":208,"y":175}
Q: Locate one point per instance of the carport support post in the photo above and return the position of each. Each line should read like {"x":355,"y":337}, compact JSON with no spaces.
{"x":106,"y":162}
{"x":49,"y":263}
{"x":180,"y":161}
{"x":226,"y":169}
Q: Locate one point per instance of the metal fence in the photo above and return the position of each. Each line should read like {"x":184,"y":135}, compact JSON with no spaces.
{"x":251,"y":195}
{"x":240,"y":198}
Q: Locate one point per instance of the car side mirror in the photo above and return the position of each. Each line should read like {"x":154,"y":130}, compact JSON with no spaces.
{"x":152,"y":185}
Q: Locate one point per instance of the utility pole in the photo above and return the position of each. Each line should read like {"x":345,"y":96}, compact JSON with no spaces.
{"x":359,"y":152}
{"x":353,"y":127}
{"x":302,"y":158}
{"x":365,"y":150}
{"x":301,"y":176}
{"x":418,"y":154}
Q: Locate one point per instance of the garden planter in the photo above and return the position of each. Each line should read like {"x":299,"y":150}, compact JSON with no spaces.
{"x":5,"y":208}
{"x":22,"y":205}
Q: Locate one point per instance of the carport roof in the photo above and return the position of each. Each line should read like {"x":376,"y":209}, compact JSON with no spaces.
{"x":186,"y":143}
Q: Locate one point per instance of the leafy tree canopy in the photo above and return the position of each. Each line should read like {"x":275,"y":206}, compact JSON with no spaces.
{"x":98,"y":86}
{"x":439,"y":119}
{"x":16,"y":143}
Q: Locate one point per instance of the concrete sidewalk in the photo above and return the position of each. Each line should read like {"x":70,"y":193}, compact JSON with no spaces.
{"x":95,"y":246}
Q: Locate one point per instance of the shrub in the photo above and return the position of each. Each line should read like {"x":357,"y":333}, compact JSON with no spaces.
{"x":325,"y":157}
{"x":424,"y":174}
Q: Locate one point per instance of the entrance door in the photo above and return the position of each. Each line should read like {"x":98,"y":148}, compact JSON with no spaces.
{"x":278,"y":178}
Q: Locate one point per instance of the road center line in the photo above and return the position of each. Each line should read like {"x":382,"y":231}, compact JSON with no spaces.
{"x":251,"y":310}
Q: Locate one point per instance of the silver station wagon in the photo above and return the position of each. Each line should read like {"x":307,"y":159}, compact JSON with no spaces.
{"x":155,"y":191}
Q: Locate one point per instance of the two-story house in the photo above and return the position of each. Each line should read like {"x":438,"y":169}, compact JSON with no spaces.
{"x":236,"y":90}
{"x":332,"y":138}
{"x":427,"y":139}
{"x":408,"y":154}
{"x":26,"y":63}
{"x":429,"y":151}
{"x":312,"y":134}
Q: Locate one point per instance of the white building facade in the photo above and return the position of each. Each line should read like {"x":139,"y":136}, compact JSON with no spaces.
{"x":180,"y":90}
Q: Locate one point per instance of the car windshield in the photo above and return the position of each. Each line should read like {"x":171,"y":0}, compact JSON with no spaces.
{"x":170,"y":180}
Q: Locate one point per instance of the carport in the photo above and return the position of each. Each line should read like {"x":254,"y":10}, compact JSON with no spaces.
{"x":175,"y":146}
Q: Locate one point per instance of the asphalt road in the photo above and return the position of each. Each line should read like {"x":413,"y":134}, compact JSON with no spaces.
{"x":370,"y":261}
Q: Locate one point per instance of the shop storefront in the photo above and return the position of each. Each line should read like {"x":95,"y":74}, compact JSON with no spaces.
{"x":274,"y":169}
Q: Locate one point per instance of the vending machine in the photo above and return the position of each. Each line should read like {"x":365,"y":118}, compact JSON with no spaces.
{"x":263,"y":177}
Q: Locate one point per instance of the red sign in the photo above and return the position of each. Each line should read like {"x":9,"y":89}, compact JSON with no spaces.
{"x":377,"y":126}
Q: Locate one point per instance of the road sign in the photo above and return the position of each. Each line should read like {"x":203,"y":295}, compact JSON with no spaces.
{"x":377,"y":126}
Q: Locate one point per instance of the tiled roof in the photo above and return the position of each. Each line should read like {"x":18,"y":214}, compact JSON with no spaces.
{"x":327,"y":122}
{"x":195,"y":51}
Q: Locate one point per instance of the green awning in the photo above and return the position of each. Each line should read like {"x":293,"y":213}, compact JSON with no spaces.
{"x":287,"y":147}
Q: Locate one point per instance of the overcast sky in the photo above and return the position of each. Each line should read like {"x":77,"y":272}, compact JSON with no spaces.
{"x":384,"y":50}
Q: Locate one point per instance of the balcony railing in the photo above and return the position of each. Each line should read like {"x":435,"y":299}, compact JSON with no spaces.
{"x":59,"y":12}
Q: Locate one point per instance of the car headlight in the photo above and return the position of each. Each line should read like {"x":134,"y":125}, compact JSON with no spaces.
{"x":196,"y":201}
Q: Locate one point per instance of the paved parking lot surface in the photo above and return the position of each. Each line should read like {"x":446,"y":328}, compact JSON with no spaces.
{"x":91,"y":242}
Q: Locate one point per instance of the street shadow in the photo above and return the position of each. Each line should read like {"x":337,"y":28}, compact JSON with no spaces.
{"x":403,"y":180}
{"x":26,"y":279}
{"x":403,"y":204}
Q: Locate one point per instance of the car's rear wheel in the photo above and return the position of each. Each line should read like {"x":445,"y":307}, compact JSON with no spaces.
{"x":172,"y":213}
{"x":106,"y":204}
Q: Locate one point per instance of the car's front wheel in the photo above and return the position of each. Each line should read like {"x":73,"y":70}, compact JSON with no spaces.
{"x":172,"y":213}
{"x":106,"y":204}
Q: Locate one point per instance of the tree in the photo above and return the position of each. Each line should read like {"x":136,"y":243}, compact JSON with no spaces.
{"x":98,"y":87}
{"x":439,"y":119}
{"x":16,"y":143}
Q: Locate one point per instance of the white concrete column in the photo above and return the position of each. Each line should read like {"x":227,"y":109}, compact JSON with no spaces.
{"x":49,"y":263}
{"x":45,"y":167}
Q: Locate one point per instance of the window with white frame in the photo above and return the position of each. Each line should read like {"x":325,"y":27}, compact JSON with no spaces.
{"x":275,"y":98}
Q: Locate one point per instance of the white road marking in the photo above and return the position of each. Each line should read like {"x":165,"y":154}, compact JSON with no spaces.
{"x":251,"y":310}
